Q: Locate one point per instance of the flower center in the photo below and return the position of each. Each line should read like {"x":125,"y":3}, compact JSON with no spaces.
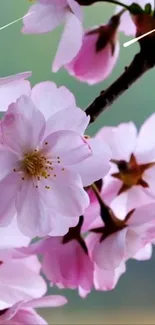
{"x":35,"y":165}
{"x":131,"y":173}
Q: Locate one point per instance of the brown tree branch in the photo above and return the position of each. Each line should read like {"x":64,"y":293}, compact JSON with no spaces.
{"x":142,"y":62}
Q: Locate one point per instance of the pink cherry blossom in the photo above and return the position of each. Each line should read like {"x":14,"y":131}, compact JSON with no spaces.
{"x":23,"y":313}
{"x":59,"y":107}
{"x":12,"y":87}
{"x":114,"y":242}
{"x":97,"y":56}
{"x":105,"y":280}
{"x":130,"y":181}
{"x":19,"y":279}
{"x":41,"y":187}
{"x":61,"y":113}
{"x":46,"y":15}
{"x":127,"y":25}
{"x":65,"y":260}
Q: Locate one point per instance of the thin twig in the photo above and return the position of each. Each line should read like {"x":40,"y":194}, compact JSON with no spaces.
{"x":142,"y":62}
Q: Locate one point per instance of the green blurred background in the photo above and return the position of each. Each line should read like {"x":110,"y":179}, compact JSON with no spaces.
{"x":133,"y":300}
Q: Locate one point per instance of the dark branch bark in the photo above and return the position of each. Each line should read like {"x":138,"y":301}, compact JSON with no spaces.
{"x":142,"y":62}
{"x":89,"y":2}
{"x":86,"y":2}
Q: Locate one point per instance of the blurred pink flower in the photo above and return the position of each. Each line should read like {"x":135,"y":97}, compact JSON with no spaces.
{"x":12,"y":87}
{"x":46,"y":15}
{"x":127,"y":25}
{"x":130,"y":181}
{"x":19,"y":279}
{"x":65,"y":260}
{"x":41,"y":187}
{"x":23,"y":313}
{"x":98,"y":54}
{"x":116,"y":241}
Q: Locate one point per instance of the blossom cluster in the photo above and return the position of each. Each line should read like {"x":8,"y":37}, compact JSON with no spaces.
{"x":92,"y":53}
{"x":74,"y":208}
{"x":89,"y":201}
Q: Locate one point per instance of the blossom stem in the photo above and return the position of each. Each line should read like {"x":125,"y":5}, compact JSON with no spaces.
{"x":90,"y":2}
{"x":106,"y":213}
{"x":142,"y":62}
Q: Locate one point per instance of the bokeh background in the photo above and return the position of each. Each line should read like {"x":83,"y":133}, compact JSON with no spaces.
{"x":133,"y":300}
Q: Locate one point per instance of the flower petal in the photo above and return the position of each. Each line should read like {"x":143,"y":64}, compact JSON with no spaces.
{"x":68,"y":145}
{"x":12,"y":237}
{"x":107,"y":279}
{"x":144,"y":254}
{"x":27,"y":316}
{"x":9,"y":314}
{"x":19,"y":132}
{"x":68,"y":41}
{"x":49,"y":99}
{"x":46,"y":301}
{"x":110,"y":252}
{"x":97,"y":166}
{"x":70,"y":118}
{"x":145,"y":147}
{"x":129,"y":200}
{"x":8,"y":189}
{"x":66,"y":195}
{"x":8,"y":161}
{"x":19,"y":281}
{"x":12,"y":87}
{"x":115,"y":138}
{"x":42,"y":18}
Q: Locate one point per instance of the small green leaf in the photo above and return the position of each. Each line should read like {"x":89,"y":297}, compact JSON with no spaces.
{"x":135,"y":9}
{"x":148,"y":9}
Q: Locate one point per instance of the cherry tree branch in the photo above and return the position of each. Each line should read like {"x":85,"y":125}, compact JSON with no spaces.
{"x":142,"y":62}
{"x":90,"y":2}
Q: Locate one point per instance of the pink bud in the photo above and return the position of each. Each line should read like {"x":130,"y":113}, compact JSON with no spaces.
{"x":98,"y":54}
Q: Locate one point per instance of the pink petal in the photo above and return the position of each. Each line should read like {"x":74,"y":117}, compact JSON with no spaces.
{"x":114,"y":136}
{"x":49,"y":99}
{"x":19,"y":132}
{"x":97,"y":166}
{"x":133,"y":242}
{"x":68,"y":41}
{"x":110,"y":252}
{"x":9,"y":187}
{"x":33,"y":215}
{"x":68,"y":145}
{"x":129,"y":200}
{"x":12,"y":237}
{"x":144,"y":254}
{"x":12,"y":87}
{"x":76,"y":8}
{"x":9,"y":314}
{"x":16,"y":77}
{"x":46,"y":214}
{"x":19,"y":282}
{"x":143,"y":214}
{"x":145,"y":148}
{"x":46,"y":301}
{"x":107,"y":279}
{"x":69,"y":199}
{"x":70,"y":118}
{"x":42,"y":18}
{"x":27,"y":316}
{"x":8,"y":161}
